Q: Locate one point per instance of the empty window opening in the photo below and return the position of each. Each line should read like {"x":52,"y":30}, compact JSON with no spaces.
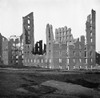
{"x":38,"y":49}
{"x":91,"y":60}
{"x":91,"y":40}
{"x":49,"y":60}
{"x":68,"y":61}
{"x":91,"y":33}
{"x":68,"y":67}
{"x":50,"y":67}
{"x":28,"y":27}
{"x":34,"y":60}
{"x":60,"y":60}
{"x":17,"y":61}
{"x":60,"y":67}
{"x":17,"y":56}
{"x":80,"y":60}
{"x":86,"y":61}
{"x":91,"y":67}
{"x":28,"y":21}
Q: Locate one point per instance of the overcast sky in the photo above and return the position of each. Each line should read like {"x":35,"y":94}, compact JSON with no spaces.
{"x":59,"y":13}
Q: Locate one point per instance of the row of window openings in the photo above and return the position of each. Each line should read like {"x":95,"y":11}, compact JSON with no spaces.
{"x":91,"y":60}
{"x":60,"y":61}
{"x":38,"y":61}
{"x":60,"y":67}
{"x":62,"y":33}
{"x":62,"y":38}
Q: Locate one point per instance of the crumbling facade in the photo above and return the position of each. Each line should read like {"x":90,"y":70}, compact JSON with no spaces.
{"x":28,"y":36}
{"x":60,"y":52}
{"x":66,"y":52}
{"x":76,"y":56}
{"x":1,"y":49}
{"x":5,"y":50}
{"x":14,"y":50}
{"x":91,"y":39}
{"x":32,"y":54}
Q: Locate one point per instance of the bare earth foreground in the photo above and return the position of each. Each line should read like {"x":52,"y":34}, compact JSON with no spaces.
{"x":31,"y":83}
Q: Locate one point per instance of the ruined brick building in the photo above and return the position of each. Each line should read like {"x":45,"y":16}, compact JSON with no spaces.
{"x":60,"y":52}
{"x":63,"y":51}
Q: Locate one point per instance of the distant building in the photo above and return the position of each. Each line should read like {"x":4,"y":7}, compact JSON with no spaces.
{"x":1,"y":49}
{"x":14,"y":51}
{"x":5,"y":50}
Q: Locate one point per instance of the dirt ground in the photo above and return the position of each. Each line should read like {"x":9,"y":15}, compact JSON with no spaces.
{"x":27,"y":83}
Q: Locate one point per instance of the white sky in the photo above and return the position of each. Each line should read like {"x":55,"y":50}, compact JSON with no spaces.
{"x":59,"y":13}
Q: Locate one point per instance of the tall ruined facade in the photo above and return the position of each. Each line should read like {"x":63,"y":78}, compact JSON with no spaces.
{"x":91,"y":39}
{"x":28,"y":36}
{"x":49,"y":43}
{"x":0,"y":48}
{"x":32,"y":54}
{"x":5,"y":50}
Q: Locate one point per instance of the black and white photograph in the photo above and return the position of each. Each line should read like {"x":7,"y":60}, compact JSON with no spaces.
{"x":49,"y":49}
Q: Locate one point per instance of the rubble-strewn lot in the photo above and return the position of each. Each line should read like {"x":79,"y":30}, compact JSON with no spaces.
{"x":31,"y":83}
